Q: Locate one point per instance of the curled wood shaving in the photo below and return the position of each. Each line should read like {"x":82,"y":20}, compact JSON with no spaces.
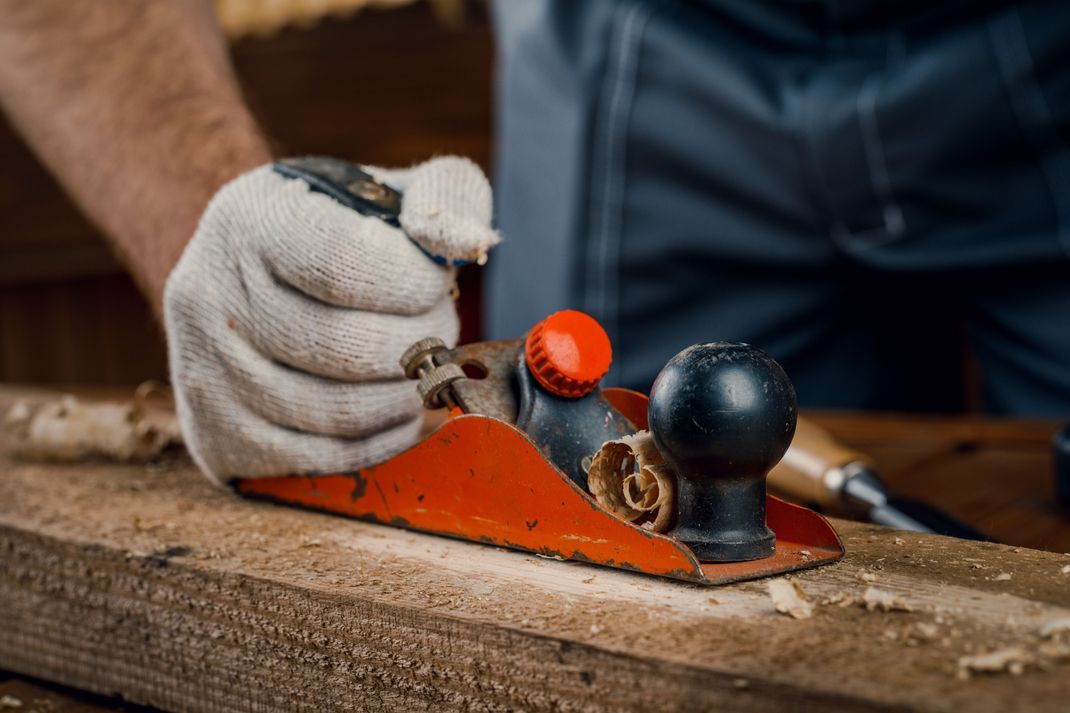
{"x":629,"y":478}
{"x":68,"y":429}
{"x":790,"y":598}
{"x":875,"y":599}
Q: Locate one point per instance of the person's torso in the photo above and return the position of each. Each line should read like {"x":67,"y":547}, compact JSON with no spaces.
{"x":648,"y":147}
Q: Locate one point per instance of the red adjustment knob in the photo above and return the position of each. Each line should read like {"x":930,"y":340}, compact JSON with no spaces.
{"x":568,"y":353}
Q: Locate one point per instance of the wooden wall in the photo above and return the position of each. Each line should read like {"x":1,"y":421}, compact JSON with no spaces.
{"x":386,"y":87}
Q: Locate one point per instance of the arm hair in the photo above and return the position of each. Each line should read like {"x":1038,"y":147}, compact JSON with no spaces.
{"x":133,"y":105}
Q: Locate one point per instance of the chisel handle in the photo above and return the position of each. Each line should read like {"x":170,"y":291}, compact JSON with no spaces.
{"x":815,"y":467}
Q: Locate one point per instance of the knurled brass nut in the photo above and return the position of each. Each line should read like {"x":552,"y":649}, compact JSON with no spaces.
{"x":434,"y":381}
{"x":419,"y":354}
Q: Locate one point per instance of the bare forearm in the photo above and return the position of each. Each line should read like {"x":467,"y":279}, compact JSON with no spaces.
{"x":133,"y":106}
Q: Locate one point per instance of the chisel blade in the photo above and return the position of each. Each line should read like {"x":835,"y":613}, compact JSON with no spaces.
{"x":907,"y":514}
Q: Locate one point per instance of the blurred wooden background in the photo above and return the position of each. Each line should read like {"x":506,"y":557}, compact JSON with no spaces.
{"x":386,"y":87}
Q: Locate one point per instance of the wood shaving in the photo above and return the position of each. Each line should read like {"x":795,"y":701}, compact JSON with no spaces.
{"x":790,"y":598}
{"x":1065,"y":569}
{"x":68,"y":429}
{"x":629,"y":477}
{"x":1012,"y":659}
{"x":875,"y":599}
{"x":1002,"y":577}
{"x":7,"y":701}
{"x":867,"y":577}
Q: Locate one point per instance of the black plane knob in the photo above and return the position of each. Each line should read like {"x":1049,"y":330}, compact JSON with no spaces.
{"x":722,"y":415}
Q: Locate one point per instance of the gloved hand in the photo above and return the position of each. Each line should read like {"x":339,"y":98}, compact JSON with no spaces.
{"x":288,"y":312}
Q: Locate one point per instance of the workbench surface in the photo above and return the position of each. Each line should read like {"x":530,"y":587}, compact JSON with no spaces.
{"x":149,"y":583}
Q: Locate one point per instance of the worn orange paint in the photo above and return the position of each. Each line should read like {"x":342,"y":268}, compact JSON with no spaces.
{"x":482,"y":479}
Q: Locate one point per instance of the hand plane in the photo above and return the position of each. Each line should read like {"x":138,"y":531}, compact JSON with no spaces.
{"x":509,"y":465}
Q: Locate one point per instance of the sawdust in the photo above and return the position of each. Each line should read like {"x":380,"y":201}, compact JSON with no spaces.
{"x":875,"y":599}
{"x":7,"y":701}
{"x":914,"y":634}
{"x":841,"y":598}
{"x":790,"y":598}
{"x":629,"y":478}
{"x":922,"y":632}
{"x":1012,"y":659}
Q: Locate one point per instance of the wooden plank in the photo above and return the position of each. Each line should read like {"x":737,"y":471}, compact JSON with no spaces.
{"x":149,"y":583}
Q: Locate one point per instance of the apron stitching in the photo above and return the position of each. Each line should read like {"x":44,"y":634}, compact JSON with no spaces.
{"x":1034,"y":116}
{"x":608,"y":176}
{"x":866,"y":106}
{"x":894,"y":224}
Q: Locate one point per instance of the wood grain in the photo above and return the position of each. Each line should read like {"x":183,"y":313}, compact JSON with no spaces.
{"x":149,"y":583}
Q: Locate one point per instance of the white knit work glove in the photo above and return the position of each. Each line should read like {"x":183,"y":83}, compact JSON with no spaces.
{"x":288,"y":312}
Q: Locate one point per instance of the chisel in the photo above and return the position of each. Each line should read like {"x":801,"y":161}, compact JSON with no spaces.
{"x":820,"y":471}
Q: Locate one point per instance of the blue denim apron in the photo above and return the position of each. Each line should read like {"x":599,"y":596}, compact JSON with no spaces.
{"x":859,"y":188}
